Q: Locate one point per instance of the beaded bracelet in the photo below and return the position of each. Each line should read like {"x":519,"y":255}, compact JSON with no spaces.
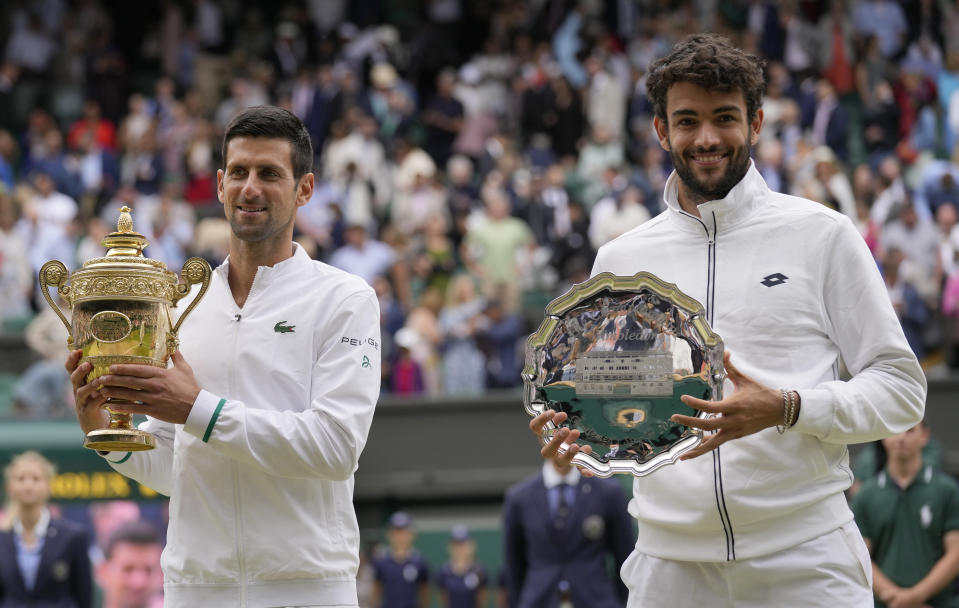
{"x":789,"y":410}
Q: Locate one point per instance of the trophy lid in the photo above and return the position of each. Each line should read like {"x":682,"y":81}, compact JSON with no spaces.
{"x":125,"y":248}
{"x":125,"y":242}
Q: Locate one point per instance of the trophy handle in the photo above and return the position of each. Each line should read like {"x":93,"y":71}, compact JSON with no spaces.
{"x":195,"y":271}
{"x":56,"y":274}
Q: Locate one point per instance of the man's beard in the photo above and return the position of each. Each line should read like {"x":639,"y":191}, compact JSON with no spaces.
{"x":700,"y":192}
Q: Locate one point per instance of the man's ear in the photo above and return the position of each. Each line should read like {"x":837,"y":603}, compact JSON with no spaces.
{"x":219,"y":185}
{"x":755,"y":126}
{"x":304,"y":189}
{"x":662,"y":132}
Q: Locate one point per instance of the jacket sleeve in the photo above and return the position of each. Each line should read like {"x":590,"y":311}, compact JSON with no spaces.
{"x":514,"y":548}
{"x":81,"y":571}
{"x":323,"y":440}
{"x":153,"y":468}
{"x":887,"y":392}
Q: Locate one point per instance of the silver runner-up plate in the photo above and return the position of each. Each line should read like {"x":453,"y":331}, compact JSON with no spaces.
{"x":616,"y":354}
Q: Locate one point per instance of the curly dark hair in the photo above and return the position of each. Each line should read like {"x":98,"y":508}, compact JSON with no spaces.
{"x":711,"y":62}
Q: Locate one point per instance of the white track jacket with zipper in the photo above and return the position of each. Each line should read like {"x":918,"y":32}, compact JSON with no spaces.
{"x":260,"y":477}
{"x":792,"y":289}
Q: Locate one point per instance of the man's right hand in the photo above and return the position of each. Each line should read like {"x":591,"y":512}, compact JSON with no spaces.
{"x":89,"y":401}
{"x":550,"y":449}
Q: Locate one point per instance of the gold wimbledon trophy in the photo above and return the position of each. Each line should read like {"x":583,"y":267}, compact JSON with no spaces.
{"x":121,"y":314}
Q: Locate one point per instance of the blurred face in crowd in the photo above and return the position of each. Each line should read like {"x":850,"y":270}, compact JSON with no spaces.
{"x":907,"y":445}
{"x":258,"y":191}
{"x":945,"y":217}
{"x":131,"y":576}
{"x":708,"y":136}
{"x":462,"y":550}
{"x":28,"y":483}
{"x":401,"y":539}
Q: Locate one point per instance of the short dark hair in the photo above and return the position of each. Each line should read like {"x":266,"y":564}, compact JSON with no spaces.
{"x":136,"y":532}
{"x":711,"y":62}
{"x":274,"y":122}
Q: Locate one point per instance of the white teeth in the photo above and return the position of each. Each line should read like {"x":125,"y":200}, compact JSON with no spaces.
{"x":709,"y":159}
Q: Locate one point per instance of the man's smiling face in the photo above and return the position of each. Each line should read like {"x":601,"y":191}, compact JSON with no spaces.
{"x":709,"y":138}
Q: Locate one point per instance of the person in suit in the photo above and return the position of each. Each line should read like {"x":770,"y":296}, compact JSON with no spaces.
{"x":43,"y":561}
{"x":559,"y":527}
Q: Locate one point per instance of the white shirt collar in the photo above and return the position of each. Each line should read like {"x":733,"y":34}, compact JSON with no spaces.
{"x":552,"y":478}
{"x":40,"y":529}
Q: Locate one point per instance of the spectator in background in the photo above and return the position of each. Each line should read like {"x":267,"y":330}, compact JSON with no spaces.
{"x":464,"y":366}
{"x":46,"y":223}
{"x":602,"y":151}
{"x":443,"y":119}
{"x":906,"y":301}
{"x":837,"y":191}
{"x":360,"y":255}
{"x":501,"y":334}
{"x":882,"y":116}
{"x":130,"y":574}
{"x":492,"y":246}
{"x":615,"y":214}
{"x":909,"y":518}
{"x":918,"y":240}
{"x":605,"y":100}
{"x":885,"y":20}
{"x":830,"y":125}
{"x":938,"y":184}
{"x":8,"y":153}
{"x":401,"y":573}
{"x":890,"y":192}
{"x":564,"y":119}
{"x":559,"y":530}
{"x":106,"y":516}
{"x":92,"y":122}
{"x":43,"y":391}
{"x":462,"y":581}
{"x":98,"y":172}
{"x":43,"y":560}
{"x":16,"y":273}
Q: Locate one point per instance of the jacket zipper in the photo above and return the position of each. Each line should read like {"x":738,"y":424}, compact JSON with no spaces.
{"x":238,"y":524}
{"x":710,"y":305}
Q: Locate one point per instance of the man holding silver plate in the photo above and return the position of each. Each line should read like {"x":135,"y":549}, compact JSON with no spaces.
{"x":626,"y":374}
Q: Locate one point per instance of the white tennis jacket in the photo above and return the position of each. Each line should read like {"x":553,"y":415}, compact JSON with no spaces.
{"x":260,"y":477}
{"x":792,"y":289}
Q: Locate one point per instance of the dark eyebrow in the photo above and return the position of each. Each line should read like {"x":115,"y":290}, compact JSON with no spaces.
{"x":720,"y":110}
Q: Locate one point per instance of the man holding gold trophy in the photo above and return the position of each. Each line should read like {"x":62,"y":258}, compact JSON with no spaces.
{"x":754,"y":515}
{"x":258,"y":436}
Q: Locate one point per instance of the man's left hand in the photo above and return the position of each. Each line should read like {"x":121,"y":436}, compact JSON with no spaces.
{"x":162,"y":393}
{"x":752,"y":407}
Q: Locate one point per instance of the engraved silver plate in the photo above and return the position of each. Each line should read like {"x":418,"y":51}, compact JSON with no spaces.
{"x":616,"y":354}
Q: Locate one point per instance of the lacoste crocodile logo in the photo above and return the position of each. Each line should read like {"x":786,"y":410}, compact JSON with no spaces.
{"x":283,"y":329}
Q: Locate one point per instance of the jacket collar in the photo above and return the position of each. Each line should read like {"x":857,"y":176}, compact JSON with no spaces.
{"x":265,"y":274}
{"x":40,"y":529}
{"x":749,"y":194}
{"x":552,"y":477}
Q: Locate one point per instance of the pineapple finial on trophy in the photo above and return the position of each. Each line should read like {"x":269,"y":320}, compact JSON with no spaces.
{"x":125,"y":222}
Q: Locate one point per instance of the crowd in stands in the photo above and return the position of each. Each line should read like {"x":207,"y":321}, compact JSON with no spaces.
{"x":470,"y":157}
